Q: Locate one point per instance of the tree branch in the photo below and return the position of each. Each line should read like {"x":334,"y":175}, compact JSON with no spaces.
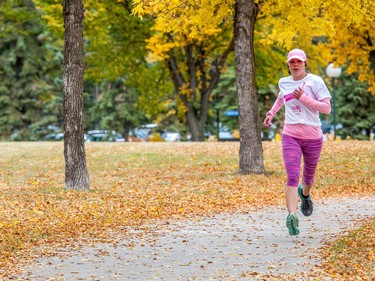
{"x":177,"y":77}
{"x":192,"y":69}
{"x":219,"y":65}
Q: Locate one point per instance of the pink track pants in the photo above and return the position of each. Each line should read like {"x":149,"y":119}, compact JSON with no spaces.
{"x":293,"y":149}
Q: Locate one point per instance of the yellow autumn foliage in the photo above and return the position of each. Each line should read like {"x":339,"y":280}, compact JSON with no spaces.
{"x":354,"y":38}
{"x":329,"y":30}
{"x":186,"y":22}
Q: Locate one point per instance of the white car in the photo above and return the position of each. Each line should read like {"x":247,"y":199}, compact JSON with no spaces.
{"x":172,"y":136}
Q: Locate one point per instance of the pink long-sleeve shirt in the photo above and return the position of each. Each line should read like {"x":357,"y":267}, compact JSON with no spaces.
{"x":303,"y":131}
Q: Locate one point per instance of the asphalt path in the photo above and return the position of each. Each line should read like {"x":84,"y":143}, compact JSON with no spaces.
{"x":236,"y":246}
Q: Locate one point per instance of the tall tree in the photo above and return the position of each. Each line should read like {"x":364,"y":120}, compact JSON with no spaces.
{"x":76,"y":173}
{"x":251,"y":151}
{"x":194,"y":39}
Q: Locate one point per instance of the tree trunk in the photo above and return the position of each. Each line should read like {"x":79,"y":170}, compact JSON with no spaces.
{"x":195,"y":125}
{"x":251,"y":151}
{"x":76,"y":174}
{"x":372,"y":61}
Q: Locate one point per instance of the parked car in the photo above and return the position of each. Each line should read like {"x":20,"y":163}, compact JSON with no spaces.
{"x":104,"y":135}
{"x":151,"y":132}
{"x":225,"y":134}
{"x":54,"y":137}
{"x":326,"y":127}
{"x":141,"y":133}
{"x":172,"y":136}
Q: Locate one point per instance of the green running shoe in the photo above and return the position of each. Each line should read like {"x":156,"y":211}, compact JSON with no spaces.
{"x":306,"y":203}
{"x":292,"y":222}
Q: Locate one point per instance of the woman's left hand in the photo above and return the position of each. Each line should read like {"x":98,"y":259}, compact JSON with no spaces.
{"x":297,"y":93}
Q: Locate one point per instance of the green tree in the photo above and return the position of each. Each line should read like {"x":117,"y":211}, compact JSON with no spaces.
{"x":355,"y":107}
{"x":224,"y":99}
{"x":30,"y":64}
{"x":116,"y":108}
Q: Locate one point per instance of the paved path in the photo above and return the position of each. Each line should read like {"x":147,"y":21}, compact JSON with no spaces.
{"x":224,"y":247}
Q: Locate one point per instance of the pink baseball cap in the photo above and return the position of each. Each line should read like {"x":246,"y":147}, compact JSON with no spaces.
{"x":297,"y":54}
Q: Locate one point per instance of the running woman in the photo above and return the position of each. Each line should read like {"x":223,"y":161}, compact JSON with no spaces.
{"x":304,"y":96}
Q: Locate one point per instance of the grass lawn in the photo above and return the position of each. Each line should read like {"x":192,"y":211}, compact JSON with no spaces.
{"x":135,"y":183}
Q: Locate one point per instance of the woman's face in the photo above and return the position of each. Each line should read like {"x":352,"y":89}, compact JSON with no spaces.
{"x":297,"y":67}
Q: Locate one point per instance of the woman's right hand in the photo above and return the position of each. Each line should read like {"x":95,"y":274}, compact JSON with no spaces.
{"x":267,"y":121}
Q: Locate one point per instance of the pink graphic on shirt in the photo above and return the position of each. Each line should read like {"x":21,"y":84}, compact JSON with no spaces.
{"x":296,"y":110}
{"x":289,"y":97}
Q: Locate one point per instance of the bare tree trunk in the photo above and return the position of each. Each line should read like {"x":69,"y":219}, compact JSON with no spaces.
{"x":76,"y":174}
{"x":251,"y":151}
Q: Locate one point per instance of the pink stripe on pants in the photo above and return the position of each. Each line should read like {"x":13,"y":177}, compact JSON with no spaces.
{"x":293,"y":150}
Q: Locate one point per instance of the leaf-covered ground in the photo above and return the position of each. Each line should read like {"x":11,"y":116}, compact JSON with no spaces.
{"x":135,"y":183}
{"x":352,"y":257}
